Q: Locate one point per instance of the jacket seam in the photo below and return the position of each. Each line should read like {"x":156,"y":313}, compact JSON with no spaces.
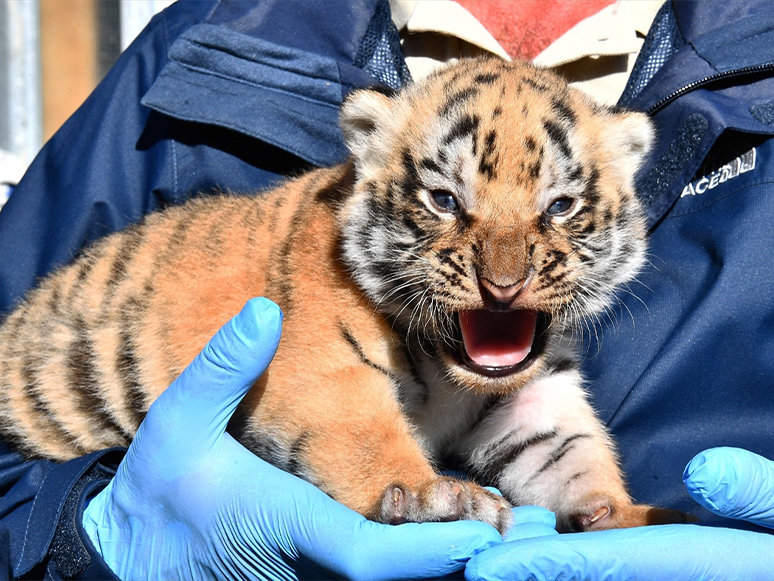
{"x":173,"y":144}
{"x":29,"y":518}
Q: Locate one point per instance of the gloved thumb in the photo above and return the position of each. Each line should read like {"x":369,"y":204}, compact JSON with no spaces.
{"x":733,"y":483}
{"x":208,"y":391}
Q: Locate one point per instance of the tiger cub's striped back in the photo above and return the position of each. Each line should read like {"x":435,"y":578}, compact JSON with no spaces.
{"x":89,"y":349}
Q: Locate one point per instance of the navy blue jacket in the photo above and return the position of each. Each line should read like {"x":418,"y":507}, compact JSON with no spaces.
{"x":230,"y":95}
{"x":686,"y":364}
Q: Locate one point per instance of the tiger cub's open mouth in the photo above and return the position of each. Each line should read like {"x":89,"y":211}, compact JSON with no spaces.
{"x":499,"y":343}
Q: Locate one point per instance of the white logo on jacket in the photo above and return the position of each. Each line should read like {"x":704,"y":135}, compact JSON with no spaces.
{"x":734,"y":168}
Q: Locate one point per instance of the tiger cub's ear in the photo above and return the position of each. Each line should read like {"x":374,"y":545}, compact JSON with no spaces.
{"x":630,"y":136}
{"x":363,"y":116}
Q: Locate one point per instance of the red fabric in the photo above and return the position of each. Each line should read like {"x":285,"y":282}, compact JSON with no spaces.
{"x":525,"y":27}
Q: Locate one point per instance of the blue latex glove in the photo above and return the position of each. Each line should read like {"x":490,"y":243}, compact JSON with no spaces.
{"x":730,"y":482}
{"x":189,"y":502}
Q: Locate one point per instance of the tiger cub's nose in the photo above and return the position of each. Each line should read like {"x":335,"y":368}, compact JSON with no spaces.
{"x":499,"y":297}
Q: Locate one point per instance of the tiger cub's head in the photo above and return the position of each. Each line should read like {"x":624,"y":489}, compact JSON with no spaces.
{"x":493,"y":209}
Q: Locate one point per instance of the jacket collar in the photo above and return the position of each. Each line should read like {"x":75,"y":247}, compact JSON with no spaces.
{"x":721,"y":72}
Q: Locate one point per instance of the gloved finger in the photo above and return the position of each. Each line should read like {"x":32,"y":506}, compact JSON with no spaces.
{"x":343,"y":542}
{"x":659,"y":552}
{"x":388,"y":552}
{"x":529,"y":522}
{"x":733,"y":483}
{"x":528,"y":531}
{"x":203,"y":398}
{"x":533,"y":514}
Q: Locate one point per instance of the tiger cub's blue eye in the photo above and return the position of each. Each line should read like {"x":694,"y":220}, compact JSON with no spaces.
{"x":444,"y":200}
{"x":560,"y":206}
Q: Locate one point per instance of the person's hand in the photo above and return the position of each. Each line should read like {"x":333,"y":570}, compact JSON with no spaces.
{"x":189,"y":502}
{"x":730,"y":482}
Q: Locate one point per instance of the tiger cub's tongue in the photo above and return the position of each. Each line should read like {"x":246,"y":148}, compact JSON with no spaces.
{"x":498,"y":339}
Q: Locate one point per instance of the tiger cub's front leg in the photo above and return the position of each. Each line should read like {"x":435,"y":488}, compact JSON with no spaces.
{"x":545,"y":446}
{"x":365,"y":454}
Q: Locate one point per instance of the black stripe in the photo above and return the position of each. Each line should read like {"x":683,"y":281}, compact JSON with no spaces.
{"x":279,"y":201}
{"x":576,"y":476}
{"x":491,"y":403}
{"x":358,"y":349}
{"x":411,"y":178}
{"x":456,"y":99}
{"x":411,"y":225}
{"x":558,"y":135}
{"x":534,"y":168}
{"x":560,"y":452}
{"x":487,"y":168}
{"x":563,"y":110}
{"x":335,"y":193}
{"x":585,"y":210}
{"x":591,"y":191}
{"x":536,"y":85}
{"x":296,"y":455}
{"x":550,"y":266}
{"x":431,"y":165}
{"x":505,"y":452}
{"x":464,"y":221}
{"x":583,"y":257}
{"x":46,"y":416}
{"x":213,"y":239}
{"x":449,"y":261}
{"x":489,"y":158}
{"x":453,"y":279}
{"x":253,"y":214}
{"x":283,"y":285}
{"x":588,"y":229}
{"x":123,"y":257}
{"x":259,"y":443}
{"x":552,"y":281}
{"x":84,"y":265}
{"x":82,"y":380}
{"x":490,"y":142}
{"x":55,"y":298}
{"x":464,"y":126}
{"x":127,"y":364}
{"x":575,"y":174}
{"x":486,"y":78}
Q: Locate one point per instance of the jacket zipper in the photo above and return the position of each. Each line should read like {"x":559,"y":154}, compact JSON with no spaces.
{"x":708,"y":80}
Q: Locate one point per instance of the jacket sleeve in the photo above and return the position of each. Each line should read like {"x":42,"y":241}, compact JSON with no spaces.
{"x":41,"y":531}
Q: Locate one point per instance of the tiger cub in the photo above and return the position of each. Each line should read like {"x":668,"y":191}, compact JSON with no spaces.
{"x":431,"y":287}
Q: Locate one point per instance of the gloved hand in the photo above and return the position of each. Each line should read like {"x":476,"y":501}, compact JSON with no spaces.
{"x":189,"y":502}
{"x":730,"y":482}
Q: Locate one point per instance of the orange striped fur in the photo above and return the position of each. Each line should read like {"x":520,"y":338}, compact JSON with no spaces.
{"x":488,"y":190}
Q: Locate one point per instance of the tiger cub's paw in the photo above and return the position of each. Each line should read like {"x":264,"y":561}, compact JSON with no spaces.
{"x":444,"y":499}
{"x":602,"y":514}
